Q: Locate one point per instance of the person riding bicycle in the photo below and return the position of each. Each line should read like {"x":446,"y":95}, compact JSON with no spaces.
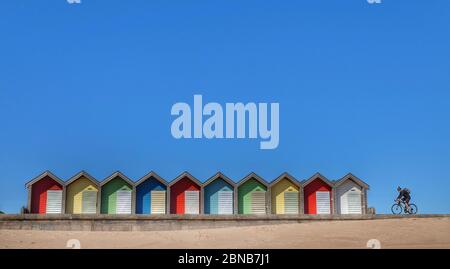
{"x":404,"y":195}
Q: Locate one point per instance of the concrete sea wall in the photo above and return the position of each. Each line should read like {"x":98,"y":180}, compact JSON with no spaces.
{"x":167,"y":222}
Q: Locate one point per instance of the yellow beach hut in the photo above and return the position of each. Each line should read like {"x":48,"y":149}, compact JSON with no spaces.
{"x":286,"y":195}
{"x":82,"y":194}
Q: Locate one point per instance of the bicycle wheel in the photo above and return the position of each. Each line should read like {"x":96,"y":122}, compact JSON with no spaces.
{"x":396,"y":209}
{"x":412,"y":209}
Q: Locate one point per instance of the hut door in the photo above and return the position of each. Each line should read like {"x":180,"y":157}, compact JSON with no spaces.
{"x":353,"y":202}
{"x":89,"y":202}
{"x":158,"y":202}
{"x":323,"y":202}
{"x":123,"y":203}
{"x":54,"y":202}
{"x":225,"y":202}
{"x":291,"y":202}
{"x":191,"y":202}
{"x":258,"y":202}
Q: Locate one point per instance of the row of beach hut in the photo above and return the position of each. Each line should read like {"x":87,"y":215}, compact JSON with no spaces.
{"x":219,"y":195}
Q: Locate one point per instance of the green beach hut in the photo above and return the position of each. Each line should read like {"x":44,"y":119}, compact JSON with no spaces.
{"x":117,"y":194}
{"x":253,"y":195}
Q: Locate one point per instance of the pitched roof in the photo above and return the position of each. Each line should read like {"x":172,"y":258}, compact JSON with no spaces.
{"x":114,"y":175}
{"x":321,"y":177}
{"x":287,"y":176}
{"x":222,"y":176}
{"x":354,"y":178}
{"x":254,"y":176}
{"x":82,"y":174}
{"x":187,"y":175}
{"x":43,"y":175}
{"x":150,"y":175}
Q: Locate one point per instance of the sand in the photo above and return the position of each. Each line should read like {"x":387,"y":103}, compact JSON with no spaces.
{"x":391,"y":233}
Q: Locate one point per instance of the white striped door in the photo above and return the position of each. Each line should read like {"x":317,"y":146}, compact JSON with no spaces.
{"x":192,"y":202}
{"x":89,"y":202}
{"x":54,"y":202}
{"x":323,"y":202}
{"x":291,"y":202}
{"x":225,"y":202}
{"x":343,"y":203}
{"x":123,"y":203}
{"x":258,"y":205}
{"x":353,"y":203}
{"x":158,"y":202}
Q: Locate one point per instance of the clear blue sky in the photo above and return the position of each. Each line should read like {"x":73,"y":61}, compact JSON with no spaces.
{"x":362,"y":88}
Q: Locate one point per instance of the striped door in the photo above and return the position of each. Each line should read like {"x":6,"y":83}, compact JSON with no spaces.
{"x":258,"y":205}
{"x":123,"y":205}
{"x":225,"y":202}
{"x":323,"y":202}
{"x":192,"y":202}
{"x":89,"y":202}
{"x":291,"y":202}
{"x":54,"y":202}
{"x":353,"y":203}
{"x":158,"y":202}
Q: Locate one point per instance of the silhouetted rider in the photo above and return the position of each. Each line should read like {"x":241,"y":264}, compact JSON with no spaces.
{"x":404,"y":195}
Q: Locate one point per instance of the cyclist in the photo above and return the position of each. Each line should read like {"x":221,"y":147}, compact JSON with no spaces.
{"x":404,"y":195}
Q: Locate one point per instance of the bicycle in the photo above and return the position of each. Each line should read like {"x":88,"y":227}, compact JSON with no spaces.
{"x":400,"y":207}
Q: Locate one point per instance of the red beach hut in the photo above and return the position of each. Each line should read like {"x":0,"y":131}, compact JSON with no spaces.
{"x":46,"y":194}
{"x":318,"y":195}
{"x":185,"y":195}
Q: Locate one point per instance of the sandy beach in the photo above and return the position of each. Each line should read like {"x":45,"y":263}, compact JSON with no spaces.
{"x":391,"y":233}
